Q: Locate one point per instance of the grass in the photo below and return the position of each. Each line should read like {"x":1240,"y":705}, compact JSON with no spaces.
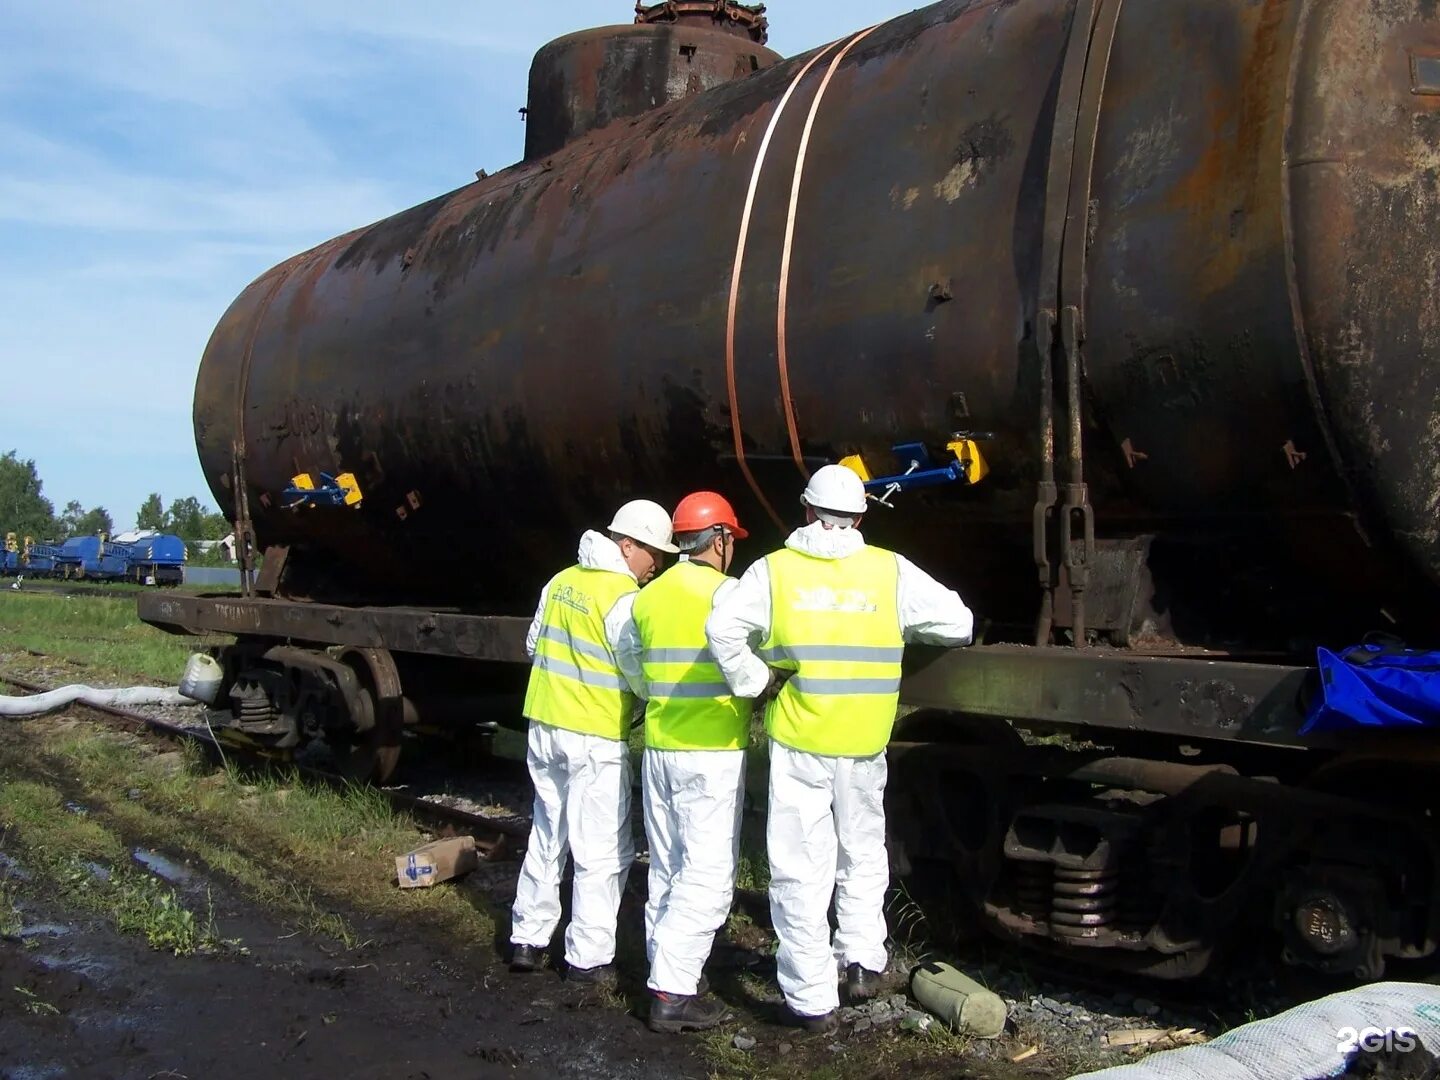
{"x":102,"y":633}
{"x":88,"y":865}
{"x":34,"y":1005}
{"x":144,"y":906}
{"x":11,"y":922}
{"x":318,"y":858}
{"x":752,"y":871}
{"x":909,"y":929}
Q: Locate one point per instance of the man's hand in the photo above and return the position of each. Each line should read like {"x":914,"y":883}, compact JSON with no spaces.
{"x":778,"y":679}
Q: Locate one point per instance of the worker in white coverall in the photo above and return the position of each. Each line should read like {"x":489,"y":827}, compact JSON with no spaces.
{"x":830,"y":615}
{"x":696,"y":733}
{"x":579,"y":705}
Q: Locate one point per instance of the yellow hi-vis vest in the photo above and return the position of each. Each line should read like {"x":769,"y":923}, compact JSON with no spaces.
{"x":574,"y":681}
{"x":690,"y":706}
{"x":836,"y":624}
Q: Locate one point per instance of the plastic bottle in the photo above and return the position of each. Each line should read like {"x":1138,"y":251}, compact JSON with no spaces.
{"x":202,"y":679}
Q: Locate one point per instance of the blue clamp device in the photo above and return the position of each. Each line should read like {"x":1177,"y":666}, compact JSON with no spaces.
{"x":921,"y":471}
{"x":339,"y":490}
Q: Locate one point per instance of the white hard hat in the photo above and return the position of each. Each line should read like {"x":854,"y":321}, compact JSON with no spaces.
{"x":837,"y":489}
{"x":646,"y":522}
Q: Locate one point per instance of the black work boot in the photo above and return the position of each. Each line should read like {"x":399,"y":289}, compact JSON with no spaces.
{"x":674,"y":1013}
{"x":601,"y":975}
{"x":525,"y":958}
{"x":861,"y":984}
{"x":816,"y":1025}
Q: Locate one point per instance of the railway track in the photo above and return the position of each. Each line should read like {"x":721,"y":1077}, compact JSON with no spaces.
{"x":63,"y":588}
{"x":492,"y":833}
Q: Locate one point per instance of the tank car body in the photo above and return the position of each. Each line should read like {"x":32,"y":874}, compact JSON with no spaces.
{"x":1257,"y":328}
{"x":1169,"y":266}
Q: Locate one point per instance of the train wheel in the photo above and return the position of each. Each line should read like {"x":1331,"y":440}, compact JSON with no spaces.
{"x":370,"y":757}
{"x":374,"y":752}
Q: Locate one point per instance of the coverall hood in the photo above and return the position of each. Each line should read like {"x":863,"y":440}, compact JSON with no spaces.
{"x":599,"y":552}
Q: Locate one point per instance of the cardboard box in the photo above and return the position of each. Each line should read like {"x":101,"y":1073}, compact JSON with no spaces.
{"x":436,"y":862}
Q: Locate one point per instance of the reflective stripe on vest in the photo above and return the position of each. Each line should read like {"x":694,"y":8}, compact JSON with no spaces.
{"x":690,"y":706}
{"x":574,"y":681}
{"x":836,"y":624}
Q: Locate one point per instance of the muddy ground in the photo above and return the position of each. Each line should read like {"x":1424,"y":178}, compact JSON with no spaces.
{"x":79,"y":1000}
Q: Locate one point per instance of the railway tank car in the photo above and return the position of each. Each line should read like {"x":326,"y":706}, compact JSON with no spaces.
{"x":1169,"y":268}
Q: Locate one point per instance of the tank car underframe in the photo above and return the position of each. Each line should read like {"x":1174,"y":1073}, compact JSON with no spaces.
{"x":1113,"y":855}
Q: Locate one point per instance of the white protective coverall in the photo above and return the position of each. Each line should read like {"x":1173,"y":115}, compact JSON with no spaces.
{"x":582,"y":804}
{"x":826,"y":819}
{"x":693,"y":801}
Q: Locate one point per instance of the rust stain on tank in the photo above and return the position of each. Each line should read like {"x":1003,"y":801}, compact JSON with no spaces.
{"x":1226,"y":185}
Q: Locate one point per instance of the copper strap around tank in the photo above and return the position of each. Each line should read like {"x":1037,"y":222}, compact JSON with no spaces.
{"x":782,"y":352}
{"x":735,"y":282}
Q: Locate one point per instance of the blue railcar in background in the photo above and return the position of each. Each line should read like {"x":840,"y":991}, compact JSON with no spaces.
{"x":158,"y":559}
{"x":39,"y":560}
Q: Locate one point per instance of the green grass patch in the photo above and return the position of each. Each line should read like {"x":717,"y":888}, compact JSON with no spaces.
{"x":314,"y":856}
{"x":102,"y":634}
{"x":144,"y":906}
{"x":752,"y":871}
{"x":11,"y":922}
{"x":88,"y":864}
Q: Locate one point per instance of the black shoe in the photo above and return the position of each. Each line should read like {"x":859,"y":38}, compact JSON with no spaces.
{"x":861,"y":984}
{"x":601,"y":975}
{"x":816,"y":1025}
{"x":525,"y":958}
{"x":674,"y":1013}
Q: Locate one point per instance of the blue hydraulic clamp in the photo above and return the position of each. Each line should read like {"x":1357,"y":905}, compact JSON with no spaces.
{"x":969,"y":467}
{"x":342,"y":490}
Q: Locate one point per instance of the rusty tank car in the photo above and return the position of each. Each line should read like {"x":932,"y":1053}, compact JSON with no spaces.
{"x":1167,"y":268}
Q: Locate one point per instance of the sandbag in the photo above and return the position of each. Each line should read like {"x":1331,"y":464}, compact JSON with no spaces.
{"x":1309,"y":1042}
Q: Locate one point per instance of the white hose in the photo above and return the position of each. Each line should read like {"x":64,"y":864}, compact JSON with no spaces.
{"x":39,"y":704}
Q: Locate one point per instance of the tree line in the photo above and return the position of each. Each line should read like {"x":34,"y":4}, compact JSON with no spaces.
{"x":25,"y":511}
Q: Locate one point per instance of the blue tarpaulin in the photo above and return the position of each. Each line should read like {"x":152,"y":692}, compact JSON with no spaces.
{"x":1376,"y":685}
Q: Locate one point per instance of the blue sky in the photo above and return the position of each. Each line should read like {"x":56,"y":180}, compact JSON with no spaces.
{"x":155,"y":157}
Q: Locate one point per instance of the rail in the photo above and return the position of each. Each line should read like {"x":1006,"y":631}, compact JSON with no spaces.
{"x":485,"y":828}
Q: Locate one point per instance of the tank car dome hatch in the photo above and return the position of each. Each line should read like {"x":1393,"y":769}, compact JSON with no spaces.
{"x":674,"y":50}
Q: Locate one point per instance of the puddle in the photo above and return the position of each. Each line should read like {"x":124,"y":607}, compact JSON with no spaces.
{"x":10,"y":868}
{"x":92,"y":967}
{"x":33,"y":1072}
{"x":76,"y":808}
{"x":98,"y":872}
{"x":162,"y":867}
{"x":44,"y":929}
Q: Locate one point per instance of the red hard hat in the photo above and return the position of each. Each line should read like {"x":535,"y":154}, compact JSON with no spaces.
{"x":703,"y":510}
